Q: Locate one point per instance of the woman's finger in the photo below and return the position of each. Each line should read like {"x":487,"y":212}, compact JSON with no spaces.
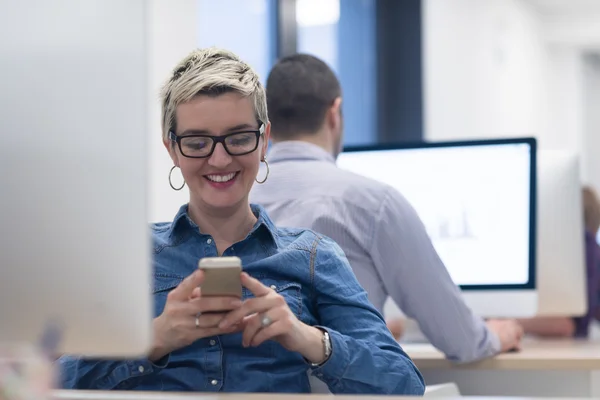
{"x":273,"y":316}
{"x":209,"y":320}
{"x":252,"y":306}
{"x":254,"y":285}
{"x":185,"y":289}
{"x":213,"y":304}
{"x":195,"y":293}
{"x":277,"y":328}
{"x":207,"y":332}
{"x":252,"y":325}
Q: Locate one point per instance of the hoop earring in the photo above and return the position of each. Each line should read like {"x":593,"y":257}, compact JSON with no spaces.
{"x":267,"y":175}
{"x":171,"y":183}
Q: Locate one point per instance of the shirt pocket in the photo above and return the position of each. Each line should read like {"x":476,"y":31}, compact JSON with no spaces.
{"x":163,"y":284}
{"x":290,"y":291}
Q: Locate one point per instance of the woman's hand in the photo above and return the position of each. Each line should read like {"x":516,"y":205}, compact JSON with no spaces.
{"x":267,"y":316}
{"x":188,"y":316}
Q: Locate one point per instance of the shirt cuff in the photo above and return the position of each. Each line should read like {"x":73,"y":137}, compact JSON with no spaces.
{"x":161,"y":362}
{"x":124,"y":376}
{"x":496,"y":346}
{"x":337,"y":363}
{"x":146,"y":367}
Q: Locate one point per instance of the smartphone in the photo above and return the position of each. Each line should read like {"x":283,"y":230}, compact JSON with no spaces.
{"x":221,"y":276}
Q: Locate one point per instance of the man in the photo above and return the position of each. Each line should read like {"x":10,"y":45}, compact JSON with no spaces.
{"x":381,"y":234}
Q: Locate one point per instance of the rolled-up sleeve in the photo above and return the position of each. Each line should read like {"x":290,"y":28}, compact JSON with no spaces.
{"x":417,"y":280}
{"x":87,"y":374}
{"x":365,"y":358}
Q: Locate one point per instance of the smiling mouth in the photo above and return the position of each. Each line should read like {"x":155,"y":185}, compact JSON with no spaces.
{"x":222,"y":178}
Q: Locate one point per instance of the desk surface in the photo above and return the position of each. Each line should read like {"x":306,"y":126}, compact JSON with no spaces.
{"x":536,"y":354}
{"x":100,"y":395}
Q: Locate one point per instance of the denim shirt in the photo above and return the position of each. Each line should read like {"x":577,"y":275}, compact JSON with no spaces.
{"x":312,"y":274}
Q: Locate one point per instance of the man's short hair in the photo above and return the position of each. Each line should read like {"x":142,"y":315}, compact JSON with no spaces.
{"x":300,"y":90}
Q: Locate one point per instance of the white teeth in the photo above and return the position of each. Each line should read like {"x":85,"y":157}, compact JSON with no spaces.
{"x":221,"y":178}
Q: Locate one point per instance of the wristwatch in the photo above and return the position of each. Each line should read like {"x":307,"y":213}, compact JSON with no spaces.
{"x":327,"y":346}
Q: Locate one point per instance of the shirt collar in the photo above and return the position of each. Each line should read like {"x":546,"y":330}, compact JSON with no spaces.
{"x":264,"y":223}
{"x":182,"y":220}
{"x":296,"y":150}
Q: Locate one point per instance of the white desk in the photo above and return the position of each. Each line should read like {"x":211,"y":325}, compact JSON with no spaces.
{"x":542,"y":368}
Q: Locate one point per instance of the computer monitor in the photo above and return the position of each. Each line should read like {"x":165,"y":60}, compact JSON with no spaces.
{"x":561,"y":269}
{"x":75,"y":243}
{"x":477,"y":201}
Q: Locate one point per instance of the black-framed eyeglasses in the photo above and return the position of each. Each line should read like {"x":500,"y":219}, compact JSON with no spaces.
{"x":202,"y":146}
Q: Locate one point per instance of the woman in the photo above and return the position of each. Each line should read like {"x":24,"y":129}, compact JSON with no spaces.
{"x":302,"y":308}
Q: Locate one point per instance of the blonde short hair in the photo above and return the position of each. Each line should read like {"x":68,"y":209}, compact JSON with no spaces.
{"x":210,"y":71}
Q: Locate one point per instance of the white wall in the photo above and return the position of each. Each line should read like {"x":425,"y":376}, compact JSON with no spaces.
{"x":565,"y":86}
{"x":484,"y":69}
{"x":574,"y":28}
{"x":492,"y":69}
{"x":172,"y":34}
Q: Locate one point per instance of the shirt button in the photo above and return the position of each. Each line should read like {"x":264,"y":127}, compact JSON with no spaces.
{"x":212,"y":342}
{"x":214,"y":382}
{"x":209,"y":241}
{"x":141,"y":369}
{"x":273,"y":287}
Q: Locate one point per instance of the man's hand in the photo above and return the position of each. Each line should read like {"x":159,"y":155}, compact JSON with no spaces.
{"x":396,"y":327}
{"x":509,"y":331}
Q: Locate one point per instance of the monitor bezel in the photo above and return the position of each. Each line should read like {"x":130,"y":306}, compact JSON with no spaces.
{"x":532,"y":142}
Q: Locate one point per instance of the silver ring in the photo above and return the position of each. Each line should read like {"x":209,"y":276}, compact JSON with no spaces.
{"x":265,"y":321}
{"x":198,"y":321}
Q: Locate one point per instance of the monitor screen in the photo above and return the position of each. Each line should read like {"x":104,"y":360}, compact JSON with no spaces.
{"x":476,"y":200}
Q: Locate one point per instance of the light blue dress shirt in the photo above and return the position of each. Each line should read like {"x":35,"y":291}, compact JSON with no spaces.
{"x":382,"y":236}
{"x":313,"y":276}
